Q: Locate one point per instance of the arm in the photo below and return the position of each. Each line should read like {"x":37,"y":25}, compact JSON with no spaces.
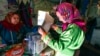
{"x":57,"y":29}
{"x":72,"y":38}
{"x":1,"y":40}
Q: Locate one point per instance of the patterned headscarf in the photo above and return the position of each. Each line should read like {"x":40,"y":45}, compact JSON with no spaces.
{"x":71,"y":14}
{"x":68,"y":9}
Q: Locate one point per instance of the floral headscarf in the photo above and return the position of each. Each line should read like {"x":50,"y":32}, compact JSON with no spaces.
{"x":72,"y":13}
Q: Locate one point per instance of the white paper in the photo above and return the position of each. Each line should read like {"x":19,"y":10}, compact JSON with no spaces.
{"x":45,"y":20}
{"x":41,"y":17}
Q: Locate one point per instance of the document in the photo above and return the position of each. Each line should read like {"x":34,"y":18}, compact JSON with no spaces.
{"x":45,"y":20}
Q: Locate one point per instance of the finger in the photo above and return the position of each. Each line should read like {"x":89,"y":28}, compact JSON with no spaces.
{"x":39,"y":29}
{"x":2,"y":45}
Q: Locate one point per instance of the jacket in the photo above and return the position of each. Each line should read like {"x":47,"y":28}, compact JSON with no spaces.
{"x":69,"y":40}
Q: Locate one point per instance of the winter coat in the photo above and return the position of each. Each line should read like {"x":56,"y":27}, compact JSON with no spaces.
{"x":13,"y":37}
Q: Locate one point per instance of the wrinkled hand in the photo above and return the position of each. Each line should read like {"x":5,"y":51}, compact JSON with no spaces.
{"x":42,"y":32}
{"x":2,"y":45}
{"x":42,"y":53}
{"x":54,"y":26}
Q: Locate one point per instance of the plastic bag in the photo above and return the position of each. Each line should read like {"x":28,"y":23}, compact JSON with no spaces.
{"x":34,"y":44}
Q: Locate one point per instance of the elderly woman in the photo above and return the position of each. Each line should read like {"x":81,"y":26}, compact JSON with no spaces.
{"x":12,"y":32}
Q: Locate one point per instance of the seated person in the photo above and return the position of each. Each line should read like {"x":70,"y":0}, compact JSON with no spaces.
{"x":12,"y":30}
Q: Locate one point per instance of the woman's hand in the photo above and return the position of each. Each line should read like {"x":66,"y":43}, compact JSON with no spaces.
{"x":42,"y":32}
{"x":55,"y":27}
{"x":2,"y":45}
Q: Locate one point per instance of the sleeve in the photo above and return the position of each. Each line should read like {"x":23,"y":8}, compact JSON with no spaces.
{"x":1,"y":40}
{"x":72,"y":39}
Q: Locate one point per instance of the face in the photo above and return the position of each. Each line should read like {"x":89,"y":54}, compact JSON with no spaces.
{"x":61,"y":17}
{"x":15,"y":19}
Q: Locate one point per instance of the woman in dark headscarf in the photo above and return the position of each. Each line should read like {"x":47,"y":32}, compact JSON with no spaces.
{"x":72,"y":33}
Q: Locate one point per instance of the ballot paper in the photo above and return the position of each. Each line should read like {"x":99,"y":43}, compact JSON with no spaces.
{"x":45,"y":20}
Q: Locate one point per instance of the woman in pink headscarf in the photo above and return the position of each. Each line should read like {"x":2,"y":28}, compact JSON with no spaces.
{"x":72,"y":33}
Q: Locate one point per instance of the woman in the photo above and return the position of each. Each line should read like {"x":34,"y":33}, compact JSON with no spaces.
{"x":72,"y":33}
{"x":12,"y":30}
{"x":12,"y":33}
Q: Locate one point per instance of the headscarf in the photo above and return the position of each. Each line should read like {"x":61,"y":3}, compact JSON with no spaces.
{"x":72,"y":13}
{"x":7,"y":22}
